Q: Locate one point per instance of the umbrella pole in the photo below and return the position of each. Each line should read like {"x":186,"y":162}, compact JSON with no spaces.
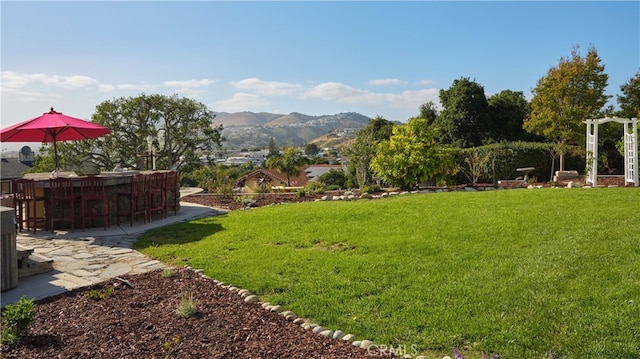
{"x":55,"y":151}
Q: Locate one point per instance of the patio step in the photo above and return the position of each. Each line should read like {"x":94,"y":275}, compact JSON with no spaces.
{"x":23,"y":254}
{"x":30,"y":263}
{"x":34,"y":264}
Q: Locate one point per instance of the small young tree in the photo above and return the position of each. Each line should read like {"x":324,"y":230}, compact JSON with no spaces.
{"x":474,"y":165}
{"x":363,"y":148}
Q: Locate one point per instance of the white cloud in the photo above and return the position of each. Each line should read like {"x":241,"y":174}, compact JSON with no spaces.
{"x":15,"y":80}
{"x":189,"y":92}
{"x":106,"y":87}
{"x":335,"y":91}
{"x":409,"y":101}
{"x":249,"y":94}
{"x":128,"y":87}
{"x":427,"y":83}
{"x":75,"y":81}
{"x":413,"y":99}
{"x":241,"y":101}
{"x":189,"y":88}
{"x":267,"y":88}
{"x":386,"y":82}
{"x":189,"y":83}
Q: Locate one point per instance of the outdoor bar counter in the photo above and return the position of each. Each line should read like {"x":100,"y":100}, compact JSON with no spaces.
{"x":114,"y":182}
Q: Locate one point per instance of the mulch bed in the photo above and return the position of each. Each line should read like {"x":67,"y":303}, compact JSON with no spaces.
{"x":141,"y":322}
{"x":235,"y":202}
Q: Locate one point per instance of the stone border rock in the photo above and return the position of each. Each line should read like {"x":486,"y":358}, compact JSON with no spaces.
{"x":350,"y":196}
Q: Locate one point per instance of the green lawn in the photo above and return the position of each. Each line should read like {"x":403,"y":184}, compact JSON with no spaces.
{"x":516,"y":272}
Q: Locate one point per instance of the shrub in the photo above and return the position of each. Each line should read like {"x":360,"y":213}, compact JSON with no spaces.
{"x":187,"y":306}
{"x":248,"y":202}
{"x":169,"y":273}
{"x":262,"y":189}
{"x":333,"y":177}
{"x":370,"y":189}
{"x":170,"y":346}
{"x":16,"y":320}
{"x":95,"y":294}
{"x":315,"y":187}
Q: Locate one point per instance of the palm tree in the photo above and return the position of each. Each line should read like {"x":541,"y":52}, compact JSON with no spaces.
{"x":288,"y":163}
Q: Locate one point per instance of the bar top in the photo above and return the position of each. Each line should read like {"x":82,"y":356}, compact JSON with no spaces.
{"x":111,"y":178}
{"x":42,"y":176}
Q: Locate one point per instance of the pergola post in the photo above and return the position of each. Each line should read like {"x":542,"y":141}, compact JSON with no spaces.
{"x":631,"y":152}
{"x":592,"y":152}
{"x":630,"y":139}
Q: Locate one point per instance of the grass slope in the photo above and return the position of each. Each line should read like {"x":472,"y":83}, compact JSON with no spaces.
{"x":517,"y":272}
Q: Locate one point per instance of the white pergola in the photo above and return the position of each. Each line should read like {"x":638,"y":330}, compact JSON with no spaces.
{"x":630,"y":149}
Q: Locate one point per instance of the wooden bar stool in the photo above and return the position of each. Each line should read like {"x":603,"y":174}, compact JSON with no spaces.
{"x":62,"y":200}
{"x":137,"y":199}
{"x":156,"y":195}
{"x":26,"y":204}
{"x":94,"y":201}
{"x":172,"y":192}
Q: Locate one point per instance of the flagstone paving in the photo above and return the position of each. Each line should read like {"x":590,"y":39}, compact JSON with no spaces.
{"x":93,"y":258}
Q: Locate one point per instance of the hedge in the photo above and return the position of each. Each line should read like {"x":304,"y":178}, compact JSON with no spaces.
{"x":499,"y":161}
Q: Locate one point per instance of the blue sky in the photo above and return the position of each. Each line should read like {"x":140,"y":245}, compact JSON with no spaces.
{"x":375,"y":58}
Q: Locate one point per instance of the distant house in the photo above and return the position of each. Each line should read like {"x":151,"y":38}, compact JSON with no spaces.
{"x":11,"y":168}
{"x":265,"y":179}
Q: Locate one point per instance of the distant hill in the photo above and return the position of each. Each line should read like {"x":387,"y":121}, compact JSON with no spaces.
{"x":251,"y":130}
{"x":244,"y":118}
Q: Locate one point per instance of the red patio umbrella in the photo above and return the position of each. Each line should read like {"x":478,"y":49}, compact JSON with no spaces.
{"x":52,"y":126}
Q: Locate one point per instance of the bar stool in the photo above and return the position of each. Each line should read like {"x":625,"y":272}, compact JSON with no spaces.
{"x":92,"y":198}
{"x":26,"y":204}
{"x":156,"y":195}
{"x":62,"y":206}
{"x":172,"y":192}
{"x":136,"y":193}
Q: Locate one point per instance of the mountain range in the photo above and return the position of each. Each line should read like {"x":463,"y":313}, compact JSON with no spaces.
{"x":252,"y":130}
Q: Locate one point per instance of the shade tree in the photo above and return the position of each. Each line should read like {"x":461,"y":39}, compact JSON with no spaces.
{"x":179,"y":130}
{"x":506,"y":113}
{"x":629,"y":100}
{"x":464,"y":118}
{"x":568,"y":94}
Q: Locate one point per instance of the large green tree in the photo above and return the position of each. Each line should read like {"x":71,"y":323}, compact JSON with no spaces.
{"x":463,"y":120}
{"x":412,"y":156}
{"x":507,"y":111}
{"x":311,"y":149}
{"x":630,"y":99}
{"x":570,"y":93}
{"x":180,"y":131}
